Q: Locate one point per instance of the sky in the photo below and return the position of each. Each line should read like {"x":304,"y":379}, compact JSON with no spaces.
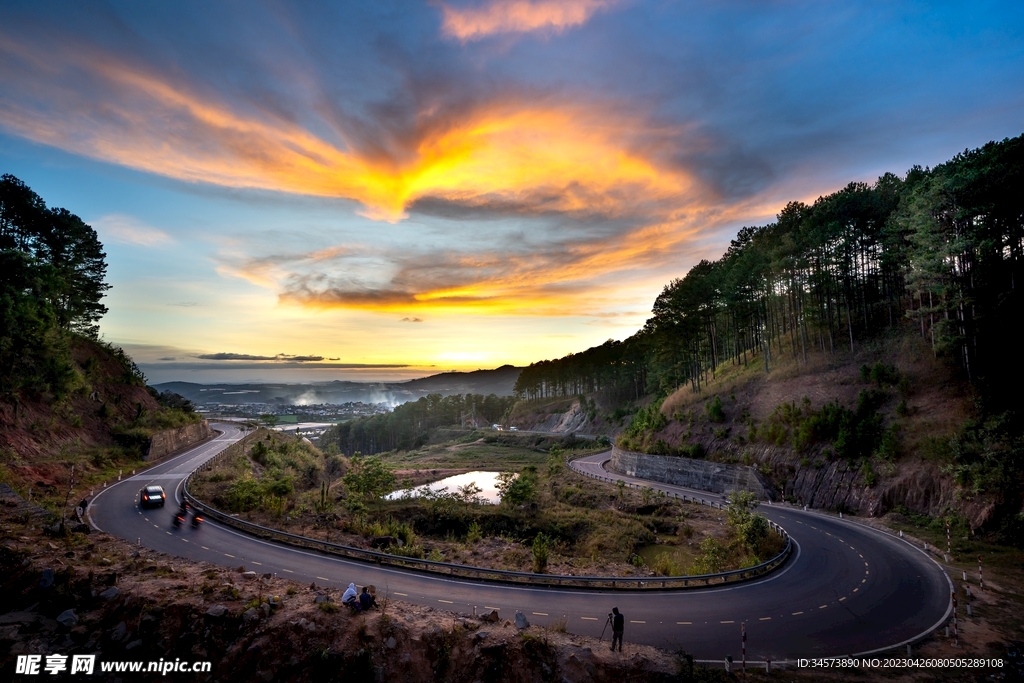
{"x":301,"y":191}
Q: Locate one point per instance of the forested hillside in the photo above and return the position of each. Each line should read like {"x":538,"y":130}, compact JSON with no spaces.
{"x":941,"y":247}
{"x":53,"y":269}
{"x":66,"y":398}
{"x":936,"y":254}
{"x":408,"y":426}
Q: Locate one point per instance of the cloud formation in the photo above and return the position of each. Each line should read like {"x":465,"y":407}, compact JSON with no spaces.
{"x":516,"y":16}
{"x":245,"y":356}
{"x":519,"y":151}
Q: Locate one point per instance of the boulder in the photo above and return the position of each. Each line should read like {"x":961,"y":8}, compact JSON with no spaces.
{"x":217,"y":611}
{"x":110,"y":593}
{"x":322,"y":598}
{"x":250,"y":576}
{"x":382,"y":542}
{"x":491,"y":617}
{"x":67,"y":618}
{"x":250,"y":615}
{"x":521,"y":621}
{"x":47,"y":580}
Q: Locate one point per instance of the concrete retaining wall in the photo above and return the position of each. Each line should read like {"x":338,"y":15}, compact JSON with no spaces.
{"x":171,"y":441}
{"x":695,"y":474}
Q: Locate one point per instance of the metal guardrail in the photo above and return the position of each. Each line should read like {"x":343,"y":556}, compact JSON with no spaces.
{"x":492,"y":575}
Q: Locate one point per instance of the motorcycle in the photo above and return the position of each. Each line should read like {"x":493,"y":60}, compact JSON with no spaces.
{"x":179,"y":518}
{"x":197,"y":519}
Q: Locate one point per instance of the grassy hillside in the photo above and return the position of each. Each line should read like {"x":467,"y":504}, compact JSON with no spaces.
{"x":101,"y":424}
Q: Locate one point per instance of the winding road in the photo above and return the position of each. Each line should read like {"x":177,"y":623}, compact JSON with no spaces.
{"x":846,"y":590}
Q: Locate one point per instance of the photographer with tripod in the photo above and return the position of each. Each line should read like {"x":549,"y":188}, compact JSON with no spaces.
{"x":618,"y":623}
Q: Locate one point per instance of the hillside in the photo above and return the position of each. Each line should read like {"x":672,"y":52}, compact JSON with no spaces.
{"x":499,"y":381}
{"x":72,"y":408}
{"x":859,"y":350}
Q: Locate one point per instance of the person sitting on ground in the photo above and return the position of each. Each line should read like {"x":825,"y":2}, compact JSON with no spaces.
{"x":366,"y":601}
{"x":350,"y":597}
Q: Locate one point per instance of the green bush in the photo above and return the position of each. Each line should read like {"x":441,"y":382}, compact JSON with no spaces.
{"x":714,"y":410}
{"x":711,"y":559}
{"x":540,"y":549}
{"x":664,"y":565}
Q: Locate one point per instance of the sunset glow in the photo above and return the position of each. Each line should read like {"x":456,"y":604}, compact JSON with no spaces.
{"x":461,"y":183}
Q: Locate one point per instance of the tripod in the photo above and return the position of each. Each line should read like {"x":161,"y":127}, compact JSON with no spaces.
{"x":606,"y":624}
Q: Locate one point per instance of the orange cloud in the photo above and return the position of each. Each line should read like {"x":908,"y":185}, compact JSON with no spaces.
{"x":609,"y":168}
{"x":537,"y":155}
{"x":517,"y":16}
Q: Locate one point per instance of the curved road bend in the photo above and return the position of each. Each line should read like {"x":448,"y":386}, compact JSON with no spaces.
{"x":846,"y":590}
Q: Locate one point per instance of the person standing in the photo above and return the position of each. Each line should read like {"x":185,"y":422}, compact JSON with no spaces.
{"x":618,"y":625}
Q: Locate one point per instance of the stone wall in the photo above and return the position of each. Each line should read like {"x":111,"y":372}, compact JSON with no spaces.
{"x":695,"y":474}
{"x":163,"y":444}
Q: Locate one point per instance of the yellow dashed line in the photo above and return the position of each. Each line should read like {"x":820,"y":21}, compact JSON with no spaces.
{"x":184,"y":540}
{"x":765,"y":619}
{"x":863,"y":580}
{"x":258,"y":563}
{"x":841,"y":599}
{"x":796,"y":613}
{"x":488,"y":607}
{"x":540,"y":614}
{"x":204,"y":547}
{"x":856,"y":589}
{"x":404,"y":595}
{"x":323,"y":578}
{"x":728,"y":622}
{"x":637,"y":622}
{"x":447,"y":602}
{"x":589,"y":618}
{"x":288,"y":570}
{"x":823,"y":607}
{"x":684,"y":623}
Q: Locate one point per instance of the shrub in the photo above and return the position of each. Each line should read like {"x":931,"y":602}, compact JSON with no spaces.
{"x":540,"y":550}
{"x":711,"y":558}
{"x":664,"y":565}
{"x":714,"y":410}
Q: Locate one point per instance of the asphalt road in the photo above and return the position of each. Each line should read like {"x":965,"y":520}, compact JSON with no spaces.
{"x":846,"y":590}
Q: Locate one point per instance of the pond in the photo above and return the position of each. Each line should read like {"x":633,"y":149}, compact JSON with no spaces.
{"x":486,"y":481}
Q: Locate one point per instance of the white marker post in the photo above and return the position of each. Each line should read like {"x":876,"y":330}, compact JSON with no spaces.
{"x":956,"y":633}
{"x":743,"y":647}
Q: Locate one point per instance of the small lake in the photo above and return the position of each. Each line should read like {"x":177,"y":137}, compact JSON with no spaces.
{"x":486,"y":481}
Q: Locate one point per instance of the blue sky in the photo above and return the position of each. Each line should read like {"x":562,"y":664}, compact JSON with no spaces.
{"x":460,"y":185}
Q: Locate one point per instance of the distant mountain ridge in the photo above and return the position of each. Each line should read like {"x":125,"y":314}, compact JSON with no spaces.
{"x":499,"y":381}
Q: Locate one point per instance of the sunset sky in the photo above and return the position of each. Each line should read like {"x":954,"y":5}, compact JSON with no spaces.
{"x":379,"y":190}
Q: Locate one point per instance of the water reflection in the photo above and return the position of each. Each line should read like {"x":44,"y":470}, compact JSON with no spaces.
{"x":485,"y":481}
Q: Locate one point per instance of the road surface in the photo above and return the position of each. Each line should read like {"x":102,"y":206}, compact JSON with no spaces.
{"x":846,"y":589}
